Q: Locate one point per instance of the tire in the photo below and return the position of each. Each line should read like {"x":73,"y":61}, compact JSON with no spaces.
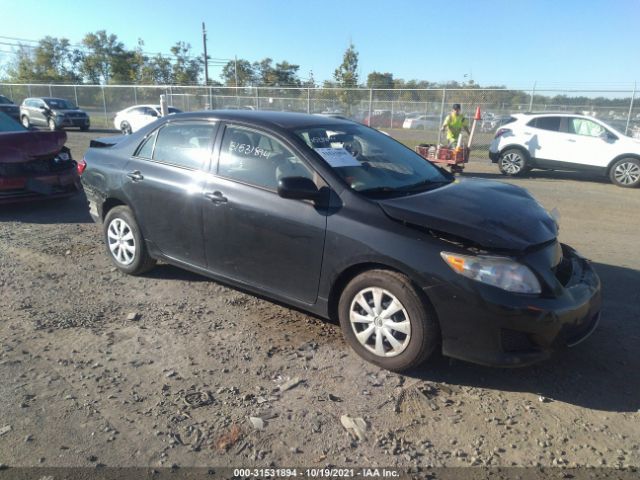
{"x":52,"y":124}
{"x":25,"y":122}
{"x":513,"y":162}
{"x":625,"y":173}
{"x":124,"y":242}
{"x":125,"y":128}
{"x":414,"y":343}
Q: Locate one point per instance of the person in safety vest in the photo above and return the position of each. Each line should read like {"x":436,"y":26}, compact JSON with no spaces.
{"x":454,"y":124}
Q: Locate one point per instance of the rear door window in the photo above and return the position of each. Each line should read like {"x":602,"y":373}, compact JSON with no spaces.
{"x":145,"y":150}
{"x":185,"y":144}
{"x":546,"y":123}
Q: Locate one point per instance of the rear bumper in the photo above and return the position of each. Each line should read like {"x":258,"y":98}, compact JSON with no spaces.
{"x":492,"y":327}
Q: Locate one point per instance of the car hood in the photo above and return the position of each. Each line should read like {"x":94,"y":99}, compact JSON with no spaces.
{"x":17,"y":147}
{"x":491,"y":214}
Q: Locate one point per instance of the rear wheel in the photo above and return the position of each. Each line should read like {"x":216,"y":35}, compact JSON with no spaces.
{"x":513,"y":162}
{"x":386,"y":321}
{"x":25,"y":121}
{"x":625,"y":173}
{"x":125,"y":128}
{"x":125,"y":245}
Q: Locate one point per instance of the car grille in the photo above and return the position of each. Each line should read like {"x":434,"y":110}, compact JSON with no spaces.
{"x":50,"y":165}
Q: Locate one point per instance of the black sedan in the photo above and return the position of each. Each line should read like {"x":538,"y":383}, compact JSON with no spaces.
{"x":341,"y":220}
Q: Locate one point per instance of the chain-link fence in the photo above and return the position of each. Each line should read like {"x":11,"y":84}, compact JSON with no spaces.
{"x":411,"y":115}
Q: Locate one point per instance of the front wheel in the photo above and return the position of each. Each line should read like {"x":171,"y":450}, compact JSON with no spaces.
{"x":512,"y":162}
{"x":125,"y":245}
{"x":625,"y":173}
{"x":25,"y":121}
{"x":386,"y":321}
{"x":52,"y":124}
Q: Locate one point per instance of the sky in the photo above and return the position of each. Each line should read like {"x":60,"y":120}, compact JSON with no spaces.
{"x":573,"y":44}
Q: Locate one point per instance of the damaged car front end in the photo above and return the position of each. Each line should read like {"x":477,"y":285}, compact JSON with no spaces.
{"x":34,"y":165}
{"x":511,"y":293}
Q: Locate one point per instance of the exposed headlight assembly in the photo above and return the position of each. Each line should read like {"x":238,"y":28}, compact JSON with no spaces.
{"x":501,"y":272}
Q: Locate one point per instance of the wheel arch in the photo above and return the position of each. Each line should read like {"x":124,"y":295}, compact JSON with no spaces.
{"x":515,"y":146}
{"x":354,"y":270}
{"x":109,"y":204}
{"x":620,"y":157}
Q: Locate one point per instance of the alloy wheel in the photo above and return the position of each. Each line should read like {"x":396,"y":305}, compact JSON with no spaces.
{"x":627,"y":173}
{"x":380,"y":322}
{"x":512,"y":163}
{"x":122,"y":244}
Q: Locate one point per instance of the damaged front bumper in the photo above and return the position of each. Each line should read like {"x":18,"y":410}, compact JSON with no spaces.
{"x":493,"y":327}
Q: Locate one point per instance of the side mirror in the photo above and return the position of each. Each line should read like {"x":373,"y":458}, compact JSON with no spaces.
{"x":607,"y":136}
{"x":297,"y":188}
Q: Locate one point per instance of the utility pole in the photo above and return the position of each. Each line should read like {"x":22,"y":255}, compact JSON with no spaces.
{"x":206,"y":61}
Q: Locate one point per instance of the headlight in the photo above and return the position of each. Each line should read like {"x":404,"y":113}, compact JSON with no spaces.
{"x":500,"y":272}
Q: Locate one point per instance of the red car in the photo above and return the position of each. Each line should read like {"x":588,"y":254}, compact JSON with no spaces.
{"x":34,"y":165}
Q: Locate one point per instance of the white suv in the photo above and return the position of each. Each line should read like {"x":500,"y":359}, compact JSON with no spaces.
{"x":559,"y":141}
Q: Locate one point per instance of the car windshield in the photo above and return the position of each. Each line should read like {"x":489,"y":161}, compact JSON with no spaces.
{"x":60,"y":104}
{"x":8,"y":124}
{"x":372,"y":163}
{"x":4,"y":100}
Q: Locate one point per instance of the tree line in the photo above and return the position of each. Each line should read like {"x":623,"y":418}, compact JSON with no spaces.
{"x":102,"y":59}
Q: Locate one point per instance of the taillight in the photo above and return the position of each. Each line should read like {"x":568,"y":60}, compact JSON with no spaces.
{"x":82,"y":165}
{"x":502,"y":131}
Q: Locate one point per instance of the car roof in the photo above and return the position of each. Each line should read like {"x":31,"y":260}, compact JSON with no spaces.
{"x":46,"y":98}
{"x":286,"y":120}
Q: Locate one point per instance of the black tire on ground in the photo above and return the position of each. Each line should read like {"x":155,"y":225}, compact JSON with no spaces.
{"x":124,"y":243}
{"x":513,"y":162}
{"x":625,"y":173}
{"x":423,"y":336}
{"x":25,"y":121}
{"x":52,"y":124}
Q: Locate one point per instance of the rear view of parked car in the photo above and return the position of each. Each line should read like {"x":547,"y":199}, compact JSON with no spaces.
{"x":134,"y":118}
{"x":53,"y":113}
{"x":338,"y":219}
{"x":34,"y":165}
{"x":566,"y":142}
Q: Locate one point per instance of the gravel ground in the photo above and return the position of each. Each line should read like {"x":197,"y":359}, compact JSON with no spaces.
{"x":100,"y":368}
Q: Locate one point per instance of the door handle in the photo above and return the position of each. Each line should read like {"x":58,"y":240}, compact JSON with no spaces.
{"x":216,"y":197}
{"x":136,"y":176}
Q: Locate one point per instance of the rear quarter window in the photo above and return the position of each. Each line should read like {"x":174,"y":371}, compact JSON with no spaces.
{"x":546,"y":123}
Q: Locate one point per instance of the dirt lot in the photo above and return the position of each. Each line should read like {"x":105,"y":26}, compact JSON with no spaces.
{"x":97,"y":367}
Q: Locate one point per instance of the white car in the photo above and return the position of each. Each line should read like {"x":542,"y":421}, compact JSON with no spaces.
{"x":134,"y":118}
{"x":424,"y":122}
{"x":560,"y":141}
